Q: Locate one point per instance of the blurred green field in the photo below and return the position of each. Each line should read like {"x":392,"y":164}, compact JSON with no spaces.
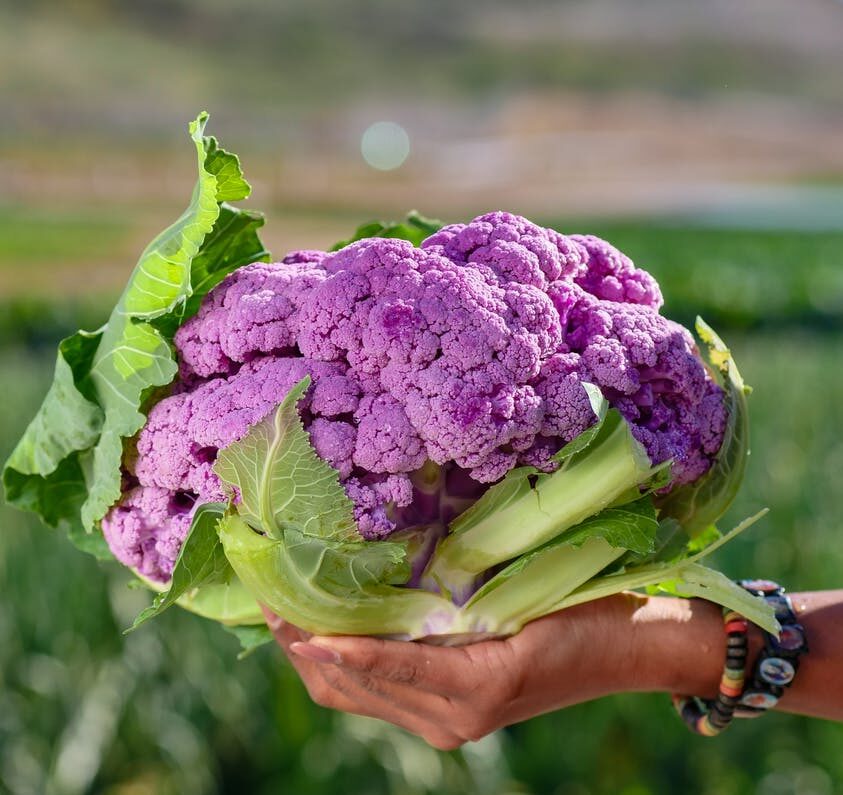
{"x":736,"y":278}
{"x":169,"y":709}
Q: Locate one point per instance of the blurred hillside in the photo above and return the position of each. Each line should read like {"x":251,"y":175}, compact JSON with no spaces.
{"x":698,"y":114}
{"x":76,"y":63}
{"x":551,"y":108}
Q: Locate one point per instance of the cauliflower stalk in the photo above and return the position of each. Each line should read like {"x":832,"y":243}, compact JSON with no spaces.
{"x":439,"y":432}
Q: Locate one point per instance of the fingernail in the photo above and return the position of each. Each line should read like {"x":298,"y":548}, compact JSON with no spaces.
{"x":316,"y":653}
{"x":275,"y":623}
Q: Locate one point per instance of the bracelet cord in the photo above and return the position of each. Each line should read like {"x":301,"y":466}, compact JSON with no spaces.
{"x":745,"y":696}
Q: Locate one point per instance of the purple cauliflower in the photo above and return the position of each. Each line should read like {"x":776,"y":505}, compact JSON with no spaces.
{"x":466,"y":355}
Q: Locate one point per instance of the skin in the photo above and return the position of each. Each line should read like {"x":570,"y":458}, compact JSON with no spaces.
{"x":623,"y":643}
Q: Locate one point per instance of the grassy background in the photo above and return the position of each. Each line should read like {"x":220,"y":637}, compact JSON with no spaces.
{"x":710,"y":130}
{"x":169,"y":709}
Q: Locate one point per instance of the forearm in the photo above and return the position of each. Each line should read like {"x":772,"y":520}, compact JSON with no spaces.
{"x":682,"y":647}
{"x":618,"y":644}
{"x":663,"y":644}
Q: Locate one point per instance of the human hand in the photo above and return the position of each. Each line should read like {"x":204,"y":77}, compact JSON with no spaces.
{"x":452,"y":695}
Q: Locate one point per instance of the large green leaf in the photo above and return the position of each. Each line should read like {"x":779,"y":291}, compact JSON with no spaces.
{"x":46,"y":472}
{"x":292,"y":540}
{"x":232,"y":243}
{"x":68,"y":421}
{"x":161,"y":279}
{"x":67,"y":464}
{"x":289,"y":493}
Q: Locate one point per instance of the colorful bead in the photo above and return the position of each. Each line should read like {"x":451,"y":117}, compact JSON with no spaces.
{"x":776,"y":671}
{"x":709,"y":718}
{"x":775,"y":668}
{"x":759,"y":700}
{"x":792,"y":638}
{"x":760,"y":587}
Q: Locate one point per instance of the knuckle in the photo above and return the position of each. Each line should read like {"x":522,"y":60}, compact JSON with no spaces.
{"x":367,"y":682}
{"x":476,"y":727}
{"x":407,"y":675}
{"x":444,"y":742}
{"x":320,"y":693}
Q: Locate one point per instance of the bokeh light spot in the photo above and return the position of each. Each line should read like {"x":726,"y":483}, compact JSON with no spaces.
{"x":385,"y":145}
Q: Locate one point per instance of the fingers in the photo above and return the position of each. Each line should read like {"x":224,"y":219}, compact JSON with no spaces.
{"x":446,"y":695}
{"x":432,"y":669}
{"x":369,"y":687}
{"x":368,"y":698}
{"x":329,"y":687}
{"x":476,"y":689}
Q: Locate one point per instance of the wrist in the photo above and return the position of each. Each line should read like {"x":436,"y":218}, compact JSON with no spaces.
{"x":679,"y":645}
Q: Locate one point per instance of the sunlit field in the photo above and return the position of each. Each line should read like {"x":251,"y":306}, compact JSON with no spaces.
{"x":169,"y":709}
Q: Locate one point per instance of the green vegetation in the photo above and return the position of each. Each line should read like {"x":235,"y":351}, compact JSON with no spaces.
{"x":169,"y":709}
{"x":738,"y":278}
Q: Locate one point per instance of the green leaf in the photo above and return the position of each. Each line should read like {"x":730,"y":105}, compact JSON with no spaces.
{"x":201,"y":561}
{"x":700,"y":504}
{"x":292,"y":540}
{"x":161,"y":279}
{"x":713,"y":586}
{"x":283,"y":484}
{"x":632,"y":526}
{"x":225,"y":166}
{"x":68,"y":421}
{"x":251,"y":638}
{"x":68,"y":462}
{"x":703,"y":540}
{"x":232,"y":243}
{"x":131,"y":358}
{"x":334,"y":588}
{"x":415,"y":228}
{"x":348,"y":569}
{"x":716,"y":586}
{"x":290,"y":494}
{"x":672,"y":544}
{"x":91,"y":541}
{"x":45,"y":472}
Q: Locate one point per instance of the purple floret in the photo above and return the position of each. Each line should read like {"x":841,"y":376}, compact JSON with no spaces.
{"x":254,"y":310}
{"x":611,"y":276}
{"x":147,"y":528}
{"x":465,"y":357}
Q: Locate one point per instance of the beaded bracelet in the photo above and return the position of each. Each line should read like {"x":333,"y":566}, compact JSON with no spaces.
{"x":778,"y":661}
{"x":774,"y":670}
{"x":710,"y":717}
